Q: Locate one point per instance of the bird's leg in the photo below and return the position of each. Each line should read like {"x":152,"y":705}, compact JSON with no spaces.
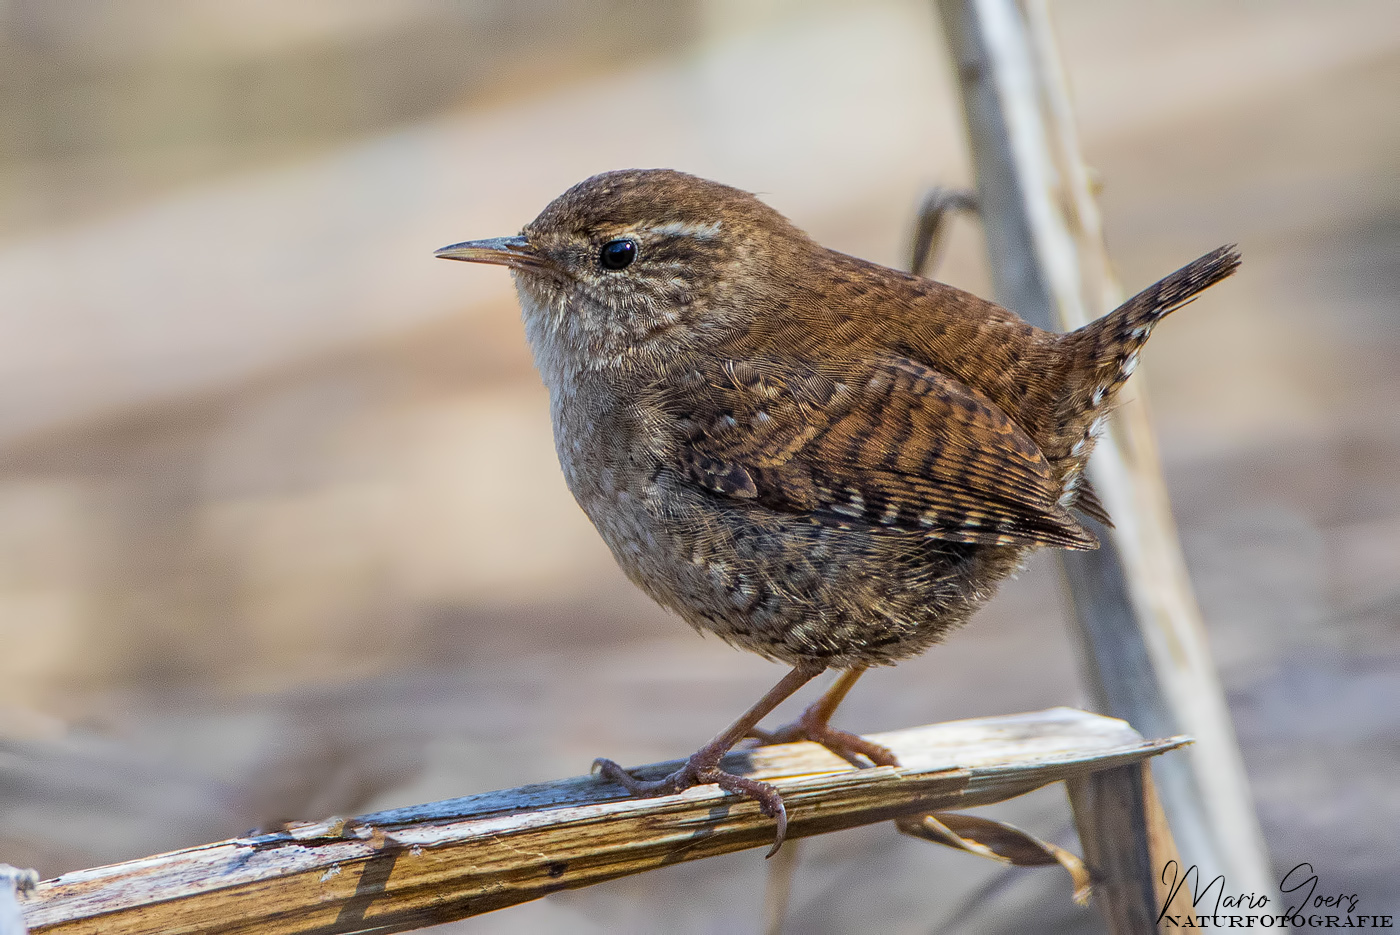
{"x":815,"y":725}
{"x":703,"y":766}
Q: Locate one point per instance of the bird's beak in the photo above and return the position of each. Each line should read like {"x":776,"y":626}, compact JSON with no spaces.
{"x":514,"y":252}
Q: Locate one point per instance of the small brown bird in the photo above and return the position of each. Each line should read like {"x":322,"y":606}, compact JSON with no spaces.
{"x":821,"y":460}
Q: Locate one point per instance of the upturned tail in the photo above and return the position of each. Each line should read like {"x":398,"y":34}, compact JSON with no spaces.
{"x":1104,"y":352}
{"x":1100,"y":356}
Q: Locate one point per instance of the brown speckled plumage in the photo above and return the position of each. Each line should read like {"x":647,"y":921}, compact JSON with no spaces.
{"x":819,"y":459}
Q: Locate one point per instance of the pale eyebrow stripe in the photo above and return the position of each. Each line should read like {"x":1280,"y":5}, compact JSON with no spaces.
{"x":681,"y":229}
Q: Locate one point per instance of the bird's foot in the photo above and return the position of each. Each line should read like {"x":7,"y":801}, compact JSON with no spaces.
{"x":703,"y":766}
{"x":848,"y":746}
{"x":703,"y":769}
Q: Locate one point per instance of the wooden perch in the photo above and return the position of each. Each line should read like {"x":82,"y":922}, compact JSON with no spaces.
{"x":419,"y":866}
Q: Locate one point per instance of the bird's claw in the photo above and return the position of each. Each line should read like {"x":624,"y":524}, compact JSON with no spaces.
{"x":612,"y":772}
{"x":701,"y":772}
{"x":843,"y":743}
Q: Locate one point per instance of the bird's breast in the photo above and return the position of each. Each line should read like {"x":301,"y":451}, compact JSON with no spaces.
{"x":610,"y":450}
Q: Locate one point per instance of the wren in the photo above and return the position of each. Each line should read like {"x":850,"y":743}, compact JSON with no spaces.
{"x":821,"y":460}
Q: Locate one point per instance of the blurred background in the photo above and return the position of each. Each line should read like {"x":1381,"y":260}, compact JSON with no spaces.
{"x":282,"y":534}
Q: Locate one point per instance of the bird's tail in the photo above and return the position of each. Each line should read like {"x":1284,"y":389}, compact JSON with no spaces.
{"x":1104,"y":352}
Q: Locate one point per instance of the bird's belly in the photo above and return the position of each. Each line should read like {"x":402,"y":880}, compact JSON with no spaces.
{"x":787,"y":587}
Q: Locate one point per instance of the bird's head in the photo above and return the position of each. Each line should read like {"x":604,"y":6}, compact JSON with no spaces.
{"x":631,"y":263}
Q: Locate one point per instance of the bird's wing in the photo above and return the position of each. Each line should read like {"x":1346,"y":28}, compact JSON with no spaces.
{"x":890,"y":444}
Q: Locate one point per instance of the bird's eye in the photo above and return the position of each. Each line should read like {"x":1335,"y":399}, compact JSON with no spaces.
{"x":618,"y":254}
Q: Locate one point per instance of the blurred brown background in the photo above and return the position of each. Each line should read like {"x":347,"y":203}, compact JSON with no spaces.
{"x":281,"y":530}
